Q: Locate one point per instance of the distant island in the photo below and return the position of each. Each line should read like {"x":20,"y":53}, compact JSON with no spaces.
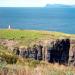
{"x":59,"y":6}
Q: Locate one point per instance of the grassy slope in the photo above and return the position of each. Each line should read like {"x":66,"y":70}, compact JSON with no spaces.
{"x":27,"y":36}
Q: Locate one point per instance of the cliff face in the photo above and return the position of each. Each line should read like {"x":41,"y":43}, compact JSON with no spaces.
{"x":72,"y":53}
{"x":57,"y":51}
{"x":41,"y":45}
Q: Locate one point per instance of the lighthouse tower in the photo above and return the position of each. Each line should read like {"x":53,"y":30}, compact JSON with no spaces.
{"x":9,"y":27}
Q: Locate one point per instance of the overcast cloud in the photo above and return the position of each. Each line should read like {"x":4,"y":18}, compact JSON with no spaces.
{"x":33,"y":3}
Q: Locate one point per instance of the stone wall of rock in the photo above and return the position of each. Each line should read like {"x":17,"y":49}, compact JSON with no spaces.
{"x":72,"y":53}
{"x":54,"y":51}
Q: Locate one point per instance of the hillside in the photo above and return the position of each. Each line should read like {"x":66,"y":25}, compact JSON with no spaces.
{"x":12,"y":64}
{"x":30,"y":34}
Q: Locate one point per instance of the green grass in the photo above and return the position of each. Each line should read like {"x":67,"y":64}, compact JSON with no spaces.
{"x":28,"y":36}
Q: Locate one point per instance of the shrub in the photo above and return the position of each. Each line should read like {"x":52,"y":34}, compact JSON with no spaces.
{"x":10,"y":59}
{"x":34,"y":63}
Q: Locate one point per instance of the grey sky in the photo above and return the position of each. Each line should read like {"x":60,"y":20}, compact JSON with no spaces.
{"x":33,"y":3}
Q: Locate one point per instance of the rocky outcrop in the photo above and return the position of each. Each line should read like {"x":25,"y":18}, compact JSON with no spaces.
{"x":60,"y":51}
{"x":72,"y":53}
{"x":56,"y":51}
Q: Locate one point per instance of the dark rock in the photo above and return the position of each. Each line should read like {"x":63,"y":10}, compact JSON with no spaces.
{"x":59,"y":52}
{"x":35,"y":51}
{"x":16,"y":51}
{"x":54,"y":52}
{"x":39,"y":49}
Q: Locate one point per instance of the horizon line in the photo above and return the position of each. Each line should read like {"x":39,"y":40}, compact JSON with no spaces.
{"x":42,"y":6}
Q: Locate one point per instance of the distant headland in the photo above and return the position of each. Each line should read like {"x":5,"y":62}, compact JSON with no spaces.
{"x":59,"y":6}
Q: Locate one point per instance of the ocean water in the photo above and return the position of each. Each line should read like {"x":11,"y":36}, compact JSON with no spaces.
{"x":51,"y":19}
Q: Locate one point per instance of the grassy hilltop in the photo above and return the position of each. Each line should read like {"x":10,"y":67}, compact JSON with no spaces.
{"x":29,"y":66}
{"x":28,"y":36}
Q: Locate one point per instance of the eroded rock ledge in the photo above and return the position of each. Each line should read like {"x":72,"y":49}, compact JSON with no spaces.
{"x":54,"y":51}
{"x":60,"y":51}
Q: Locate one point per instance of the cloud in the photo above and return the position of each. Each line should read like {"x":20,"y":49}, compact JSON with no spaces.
{"x":33,"y":3}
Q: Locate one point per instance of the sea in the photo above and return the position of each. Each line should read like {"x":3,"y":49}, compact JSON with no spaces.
{"x":38,"y":18}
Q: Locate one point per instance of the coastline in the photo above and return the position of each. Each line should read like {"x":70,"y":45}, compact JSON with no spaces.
{"x":21,"y":38}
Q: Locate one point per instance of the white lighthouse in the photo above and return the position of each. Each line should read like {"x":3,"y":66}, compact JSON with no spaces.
{"x":9,"y":27}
